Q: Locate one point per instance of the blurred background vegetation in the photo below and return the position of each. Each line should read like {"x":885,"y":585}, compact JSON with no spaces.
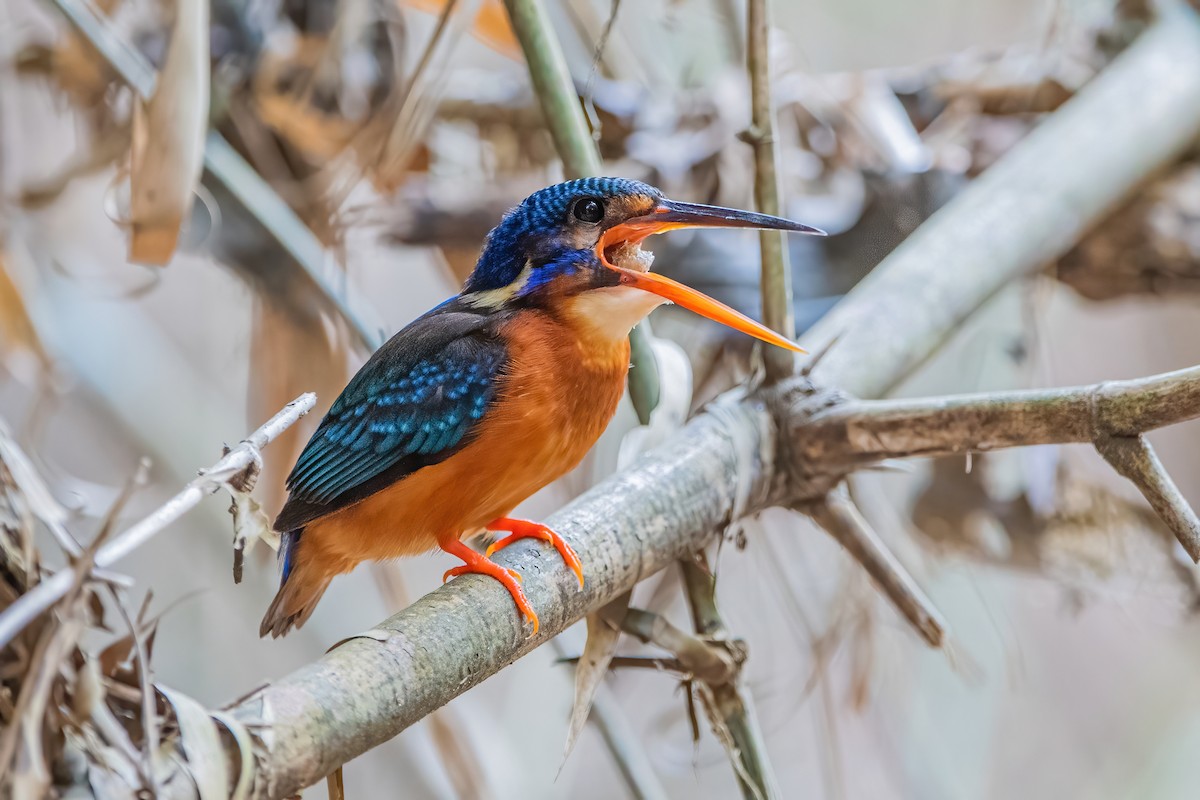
{"x":367,"y":146}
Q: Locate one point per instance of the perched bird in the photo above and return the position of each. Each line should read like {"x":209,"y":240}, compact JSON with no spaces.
{"x":493,"y":394}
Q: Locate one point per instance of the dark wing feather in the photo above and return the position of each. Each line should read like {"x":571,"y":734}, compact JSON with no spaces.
{"x":414,"y":403}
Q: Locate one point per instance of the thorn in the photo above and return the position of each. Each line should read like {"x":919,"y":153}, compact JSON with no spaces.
{"x":807,"y":369}
{"x":843,"y":521}
{"x":1134,"y":458}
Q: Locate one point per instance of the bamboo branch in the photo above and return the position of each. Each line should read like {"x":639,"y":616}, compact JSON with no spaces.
{"x":776,"y":284}
{"x":243,"y":459}
{"x":1024,"y":211}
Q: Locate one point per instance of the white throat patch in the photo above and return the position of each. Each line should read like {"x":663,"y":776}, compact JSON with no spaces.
{"x":610,"y":313}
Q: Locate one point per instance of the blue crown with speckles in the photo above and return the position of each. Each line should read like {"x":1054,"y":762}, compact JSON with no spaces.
{"x":543,"y":212}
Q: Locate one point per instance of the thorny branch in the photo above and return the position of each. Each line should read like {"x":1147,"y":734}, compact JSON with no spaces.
{"x":1112,"y":416}
{"x":868,"y":431}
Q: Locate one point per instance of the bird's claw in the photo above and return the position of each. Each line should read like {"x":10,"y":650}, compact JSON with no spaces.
{"x":524,"y":529}
{"x":466,"y":570}
{"x":510,"y":579}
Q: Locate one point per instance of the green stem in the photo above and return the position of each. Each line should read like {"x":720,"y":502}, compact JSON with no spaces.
{"x":564,"y":116}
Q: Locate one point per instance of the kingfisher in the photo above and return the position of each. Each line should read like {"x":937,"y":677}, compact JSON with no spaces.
{"x":493,"y":394}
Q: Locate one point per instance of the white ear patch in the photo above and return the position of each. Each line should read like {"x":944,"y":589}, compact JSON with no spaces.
{"x":610,"y":313}
{"x":494,"y":298}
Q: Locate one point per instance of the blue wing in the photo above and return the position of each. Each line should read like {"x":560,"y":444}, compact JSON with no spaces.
{"x":414,"y":403}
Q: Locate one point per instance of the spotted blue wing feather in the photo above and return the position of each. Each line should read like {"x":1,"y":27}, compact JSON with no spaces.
{"x":417,"y":401}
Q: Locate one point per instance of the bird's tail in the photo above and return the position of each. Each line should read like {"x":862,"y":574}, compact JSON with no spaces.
{"x":300,"y":588}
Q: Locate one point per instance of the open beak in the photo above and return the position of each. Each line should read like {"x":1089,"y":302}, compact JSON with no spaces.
{"x":672,"y":215}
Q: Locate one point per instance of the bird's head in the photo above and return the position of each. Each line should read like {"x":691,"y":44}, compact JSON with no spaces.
{"x":577,"y":246}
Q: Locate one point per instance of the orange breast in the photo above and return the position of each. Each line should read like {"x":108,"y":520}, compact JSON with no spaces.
{"x":556,"y":398}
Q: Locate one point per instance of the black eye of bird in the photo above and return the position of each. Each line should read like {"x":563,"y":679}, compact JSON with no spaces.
{"x":589,"y":209}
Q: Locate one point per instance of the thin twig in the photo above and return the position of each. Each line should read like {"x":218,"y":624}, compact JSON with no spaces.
{"x":776,"y":287}
{"x":597,"y":56}
{"x":838,"y":516}
{"x":417,"y":107}
{"x":242,"y":457}
{"x":697,"y":656}
{"x":40,"y":498}
{"x":700,"y":586}
{"x":657,"y":663}
{"x":149,"y":697}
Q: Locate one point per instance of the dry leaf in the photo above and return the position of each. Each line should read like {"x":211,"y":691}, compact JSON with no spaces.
{"x":168,"y":139}
{"x":245,"y":745}
{"x":18,"y":337}
{"x":250,"y":524}
{"x":491,"y":25}
{"x":201,"y":743}
{"x":598,"y":650}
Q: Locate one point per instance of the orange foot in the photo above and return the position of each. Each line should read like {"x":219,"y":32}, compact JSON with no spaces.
{"x":473,"y":562}
{"x":524,"y":529}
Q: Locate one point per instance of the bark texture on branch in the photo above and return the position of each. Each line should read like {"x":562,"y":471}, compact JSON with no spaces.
{"x":1026,"y":210}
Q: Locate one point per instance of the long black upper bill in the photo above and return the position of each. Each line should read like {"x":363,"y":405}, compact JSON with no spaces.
{"x":696,"y":215}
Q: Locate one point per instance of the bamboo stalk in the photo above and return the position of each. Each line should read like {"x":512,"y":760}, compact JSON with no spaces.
{"x":581,"y":158}
{"x":776,"y":282}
